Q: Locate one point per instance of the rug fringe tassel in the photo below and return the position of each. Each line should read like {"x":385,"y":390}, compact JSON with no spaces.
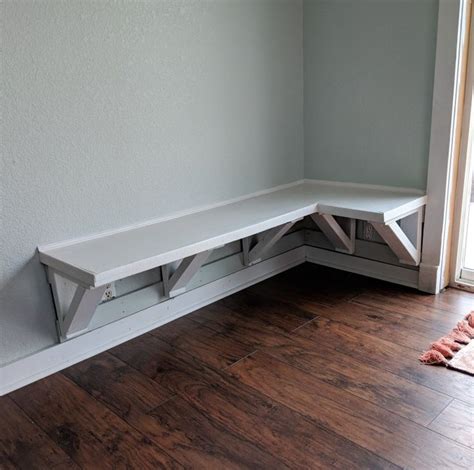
{"x":466,"y":329}
{"x":470,"y":319}
{"x":459,"y":336}
{"x":443,"y":349}
{"x":446,"y":347}
{"x":450,"y":343}
{"x":433,"y":357}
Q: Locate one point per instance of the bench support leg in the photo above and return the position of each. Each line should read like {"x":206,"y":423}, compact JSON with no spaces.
{"x":342,"y":241}
{"x":404,"y":242}
{"x":176,"y":284}
{"x":81,"y":310}
{"x":75,"y":304}
{"x":246,"y":250}
{"x":269,"y":238}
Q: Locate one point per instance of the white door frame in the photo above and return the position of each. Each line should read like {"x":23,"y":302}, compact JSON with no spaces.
{"x":460,"y":277}
{"x":451,"y":54}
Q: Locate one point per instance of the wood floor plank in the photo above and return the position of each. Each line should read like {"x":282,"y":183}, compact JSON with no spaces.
{"x":281,"y":431}
{"x":198,"y":441}
{"x":176,"y":427}
{"x":210,"y":346}
{"x":87,"y":431}
{"x":315,"y":283}
{"x":438,"y":319}
{"x":394,"y":327}
{"x":273,"y":312}
{"x":121,"y":388}
{"x":183,"y":326}
{"x":155,"y":358}
{"x":381,"y":387}
{"x":386,"y":355}
{"x":23,"y":445}
{"x":456,"y":422}
{"x":413,"y":446}
{"x":7,"y":464}
{"x":251,"y":331}
{"x":452,"y":301}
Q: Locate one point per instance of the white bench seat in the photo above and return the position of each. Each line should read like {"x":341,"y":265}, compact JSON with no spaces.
{"x":98,"y":261}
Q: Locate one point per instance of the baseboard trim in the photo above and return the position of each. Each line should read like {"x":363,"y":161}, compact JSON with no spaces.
{"x":55,"y":358}
{"x":430,"y":279}
{"x":363,"y":266}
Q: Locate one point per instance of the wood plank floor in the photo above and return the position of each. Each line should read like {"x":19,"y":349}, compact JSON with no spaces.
{"x":314,"y":368}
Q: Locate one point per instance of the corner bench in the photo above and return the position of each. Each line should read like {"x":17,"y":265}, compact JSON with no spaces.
{"x":395,"y":214}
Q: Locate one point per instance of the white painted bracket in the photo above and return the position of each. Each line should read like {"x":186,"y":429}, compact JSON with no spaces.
{"x":75,"y":304}
{"x":269,"y":238}
{"x":246,"y":250}
{"x":343,"y":241}
{"x":404,"y":237}
{"x":176,"y":284}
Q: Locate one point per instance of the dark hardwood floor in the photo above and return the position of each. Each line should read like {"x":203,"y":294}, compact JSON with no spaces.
{"x":314,"y":368}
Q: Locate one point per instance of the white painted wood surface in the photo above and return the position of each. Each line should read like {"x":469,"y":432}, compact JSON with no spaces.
{"x":106,"y":259}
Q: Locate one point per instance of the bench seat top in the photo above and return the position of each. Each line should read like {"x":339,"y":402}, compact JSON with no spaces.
{"x":111,"y":257}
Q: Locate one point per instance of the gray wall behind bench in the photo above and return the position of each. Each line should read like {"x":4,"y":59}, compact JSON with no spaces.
{"x":118,"y":112}
{"x":369,"y":69}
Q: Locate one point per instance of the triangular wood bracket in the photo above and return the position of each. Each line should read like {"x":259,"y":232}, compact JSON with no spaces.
{"x":252,"y":255}
{"x":176,"y":283}
{"x":403,"y":237}
{"x":342,"y":240}
{"x":75,"y":304}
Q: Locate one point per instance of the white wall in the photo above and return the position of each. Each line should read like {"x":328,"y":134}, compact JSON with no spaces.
{"x":114,"y":113}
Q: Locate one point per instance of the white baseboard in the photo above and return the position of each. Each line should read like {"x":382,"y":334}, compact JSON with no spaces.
{"x":55,"y":358}
{"x":430,"y":279}
{"x":366,"y":267}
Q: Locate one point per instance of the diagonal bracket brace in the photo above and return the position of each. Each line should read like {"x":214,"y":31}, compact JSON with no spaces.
{"x":406,"y":246}
{"x":176,"y":284}
{"x":342,"y":241}
{"x":75,"y":314}
{"x":269,"y":238}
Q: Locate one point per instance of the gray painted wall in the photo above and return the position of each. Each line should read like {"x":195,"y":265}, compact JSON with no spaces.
{"x":369,"y":67}
{"x":114,"y":113}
